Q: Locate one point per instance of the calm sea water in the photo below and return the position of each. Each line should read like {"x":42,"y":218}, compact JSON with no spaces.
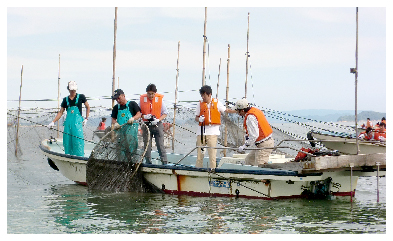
{"x":42,"y":201}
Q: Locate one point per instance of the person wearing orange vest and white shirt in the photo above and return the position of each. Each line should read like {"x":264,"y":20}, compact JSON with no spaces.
{"x":153,"y":112}
{"x":258,"y":133}
{"x":208,"y":114}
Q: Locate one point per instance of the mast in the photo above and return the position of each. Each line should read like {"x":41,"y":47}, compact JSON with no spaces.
{"x":355,"y":71}
{"x":175,"y":106}
{"x":218,"y":80}
{"x":248,"y":33}
{"x":356,"y":81}
{"x":114,"y":57}
{"x":204,"y":49}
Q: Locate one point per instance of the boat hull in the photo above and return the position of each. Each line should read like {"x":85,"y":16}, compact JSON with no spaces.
{"x":268,"y":187}
{"x":72,"y":167}
{"x":229,"y":180}
{"x":348,"y":145}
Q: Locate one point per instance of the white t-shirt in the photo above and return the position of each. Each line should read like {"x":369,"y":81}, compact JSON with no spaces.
{"x":210,"y":129}
{"x":253,"y":130}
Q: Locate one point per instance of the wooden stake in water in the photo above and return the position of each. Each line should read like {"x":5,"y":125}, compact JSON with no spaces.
{"x":218,"y":80}
{"x":17,"y":126}
{"x":350,"y":179}
{"x":114,"y":57}
{"x":204,"y":49}
{"x":175,"y":107}
{"x":355,"y":71}
{"x":378,"y":163}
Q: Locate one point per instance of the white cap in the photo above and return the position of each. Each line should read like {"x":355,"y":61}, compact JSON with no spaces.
{"x":241,"y":104}
{"x":72,"y":85}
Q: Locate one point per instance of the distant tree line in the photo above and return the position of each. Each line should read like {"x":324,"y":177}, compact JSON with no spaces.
{"x":362,"y":116}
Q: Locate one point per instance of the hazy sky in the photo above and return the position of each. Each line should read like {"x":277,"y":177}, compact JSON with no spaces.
{"x":300,"y":57}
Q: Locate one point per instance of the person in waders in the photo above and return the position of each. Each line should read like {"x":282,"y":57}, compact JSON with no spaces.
{"x":73,"y":141}
{"x":126,"y":112}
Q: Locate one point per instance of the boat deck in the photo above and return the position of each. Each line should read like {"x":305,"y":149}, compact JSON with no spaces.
{"x":234,"y":164}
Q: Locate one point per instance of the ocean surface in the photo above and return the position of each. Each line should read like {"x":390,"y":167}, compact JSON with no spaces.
{"x":41,"y":201}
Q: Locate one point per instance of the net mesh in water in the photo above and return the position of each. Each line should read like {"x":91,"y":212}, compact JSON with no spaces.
{"x":114,"y":163}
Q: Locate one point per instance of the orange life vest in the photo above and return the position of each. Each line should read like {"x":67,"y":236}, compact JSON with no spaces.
{"x":101,"y":126}
{"x":151,"y":106}
{"x":379,"y":133}
{"x":366,"y":136}
{"x":264,"y":128}
{"x":212,"y":115}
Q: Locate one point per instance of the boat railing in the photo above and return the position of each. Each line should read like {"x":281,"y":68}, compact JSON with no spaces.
{"x":246,"y":149}
{"x":278,"y":146}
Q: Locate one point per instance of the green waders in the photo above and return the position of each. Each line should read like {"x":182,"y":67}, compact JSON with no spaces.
{"x":73,"y":141}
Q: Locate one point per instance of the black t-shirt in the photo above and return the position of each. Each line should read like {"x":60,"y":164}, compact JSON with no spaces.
{"x":82,"y":99}
{"x":133,"y":107}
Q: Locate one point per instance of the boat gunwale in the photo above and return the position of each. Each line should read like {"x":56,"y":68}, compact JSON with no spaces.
{"x":263,"y":171}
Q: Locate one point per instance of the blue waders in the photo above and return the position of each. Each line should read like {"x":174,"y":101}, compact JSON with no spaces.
{"x":128,"y":133}
{"x":73,"y":141}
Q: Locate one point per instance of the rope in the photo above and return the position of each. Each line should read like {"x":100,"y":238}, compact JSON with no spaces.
{"x":36,"y":123}
{"x":244,"y":186}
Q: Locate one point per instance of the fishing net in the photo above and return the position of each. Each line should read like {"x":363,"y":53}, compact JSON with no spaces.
{"x":114,"y":162}
{"x":235,"y":132}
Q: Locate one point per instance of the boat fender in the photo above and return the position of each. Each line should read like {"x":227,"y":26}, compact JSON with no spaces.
{"x":163,"y":187}
{"x":52,"y":164}
{"x":237,"y":192}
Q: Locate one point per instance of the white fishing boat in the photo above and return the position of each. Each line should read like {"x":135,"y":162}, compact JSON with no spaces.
{"x":319,"y":176}
{"x":346,"y":144}
{"x":281,"y":178}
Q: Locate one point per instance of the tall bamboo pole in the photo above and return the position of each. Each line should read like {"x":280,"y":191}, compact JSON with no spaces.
{"x":356,"y":87}
{"x":114,"y":58}
{"x":227,"y":99}
{"x":218,"y":80}
{"x":204,"y":49}
{"x":175,"y":106}
{"x":247,"y":53}
{"x":58,"y":96}
{"x":17,"y":126}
